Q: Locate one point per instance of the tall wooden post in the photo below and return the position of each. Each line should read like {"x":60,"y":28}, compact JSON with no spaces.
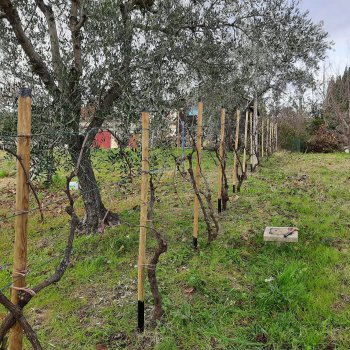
{"x":235,"y":166}
{"x":276,"y":135}
{"x":262,"y":138}
{"x":245,"y":143}
{"x":143,"y":222}
{"x":255,"y":133}
{"x":197,"y":171}
{"x":271,"y":130}
{"x":251,"y":141}
{"x":221,"y":155}
{"x":183,"y":141}
{"x":268,"y":139}
{"x":22,"y":206}
{"x":178,"y":133}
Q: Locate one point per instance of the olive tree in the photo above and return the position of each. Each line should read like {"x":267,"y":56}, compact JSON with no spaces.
{"x":118,"y":57}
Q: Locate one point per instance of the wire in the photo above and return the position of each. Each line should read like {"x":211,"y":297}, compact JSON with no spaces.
{"x":39,"y":266}
{"x":13,"y":136}
{"x":43,"y":207}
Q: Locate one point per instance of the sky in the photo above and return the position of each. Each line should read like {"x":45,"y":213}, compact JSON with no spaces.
{"x":335,"y":15}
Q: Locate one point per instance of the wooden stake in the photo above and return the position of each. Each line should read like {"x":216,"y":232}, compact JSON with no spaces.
{"x":268,"y":144}
{"x":262,"y":138}
{"x":178,"y":136}
{"x":235,"y":166}
{"x":197,"y":172}
{"x":221,"y":155}
{"x":143,"y":222}
{"x":271,"y":130}
{"x":251,"y":141}
{"x":22,"y":206}
{"x":267,"y":138}
{"x":245,"y":143}
{"x":255,"y":132}
{"x":276,"y":135}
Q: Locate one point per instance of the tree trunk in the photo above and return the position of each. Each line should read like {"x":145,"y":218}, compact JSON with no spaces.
{"x":96,"y":213}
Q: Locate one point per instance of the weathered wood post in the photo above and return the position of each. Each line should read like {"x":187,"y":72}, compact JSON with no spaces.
{"x":183,"y":140}
{"x":255,"y":133}
{"x":271,"y":137}
{"x":276,"y":135}
{"x":262,"y":138}
{"x":143,"y":222}
{"x":244,"y":165}
{"x":267,"y":138}
{"x":251,"y":140}
{"x":268,"y":132}
{"x":178,"y":133}
{"x":221,"y":155}
{"x":235,"y":165}
{"x":197,"y":171}
{"x":24,"y":127}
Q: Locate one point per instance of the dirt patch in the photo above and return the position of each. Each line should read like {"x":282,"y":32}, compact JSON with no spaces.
{"x":8,"y":183}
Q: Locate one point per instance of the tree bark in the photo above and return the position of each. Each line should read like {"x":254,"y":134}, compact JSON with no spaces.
{"x":96,"y":212}
{"x":162,"y":248}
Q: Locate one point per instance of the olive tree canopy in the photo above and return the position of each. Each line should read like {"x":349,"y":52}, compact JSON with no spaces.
{"x":117,"y":57}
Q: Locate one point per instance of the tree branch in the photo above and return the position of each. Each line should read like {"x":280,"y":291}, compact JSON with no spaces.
{"x":17,"y":314}
{"x":105,"y":105}
{"x":38,"y":65}
{"x":28,"y":179}
{"x":75,"y":26}
{"x":55,"y":45}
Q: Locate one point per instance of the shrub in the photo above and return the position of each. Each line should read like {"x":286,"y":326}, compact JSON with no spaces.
{"x":324,"y":141}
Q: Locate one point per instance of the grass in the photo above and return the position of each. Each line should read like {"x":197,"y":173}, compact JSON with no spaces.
{"x":237,"y":293}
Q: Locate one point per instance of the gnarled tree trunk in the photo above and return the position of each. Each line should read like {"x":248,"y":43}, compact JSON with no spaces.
{"x":96,"y":212}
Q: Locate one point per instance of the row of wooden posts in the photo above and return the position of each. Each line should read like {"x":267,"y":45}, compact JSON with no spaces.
{"x":268,"y":145}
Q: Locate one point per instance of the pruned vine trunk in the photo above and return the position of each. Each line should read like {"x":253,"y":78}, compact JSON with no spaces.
{"x":207,"y":217}
{"x":161,"y":248}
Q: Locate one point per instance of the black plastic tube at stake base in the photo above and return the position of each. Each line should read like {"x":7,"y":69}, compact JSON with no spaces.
{"x":141,"y":316}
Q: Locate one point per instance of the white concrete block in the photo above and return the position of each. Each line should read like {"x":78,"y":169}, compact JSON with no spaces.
{"x":281,"y":234}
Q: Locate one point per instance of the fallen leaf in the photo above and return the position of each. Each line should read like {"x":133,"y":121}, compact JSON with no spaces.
{"x":189,"y":290}
{"x":101,"y":347}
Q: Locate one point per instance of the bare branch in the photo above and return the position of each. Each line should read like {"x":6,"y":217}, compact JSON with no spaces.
{"x":17,"y":314}
{"x":162,"y":248}
{"x":81,"y":22}
{"x":27,"y":178}
{"x":200,"y":200}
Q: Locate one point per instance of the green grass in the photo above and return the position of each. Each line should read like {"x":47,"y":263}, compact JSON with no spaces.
{"x":7,"y":166}
{"x":238,"y":293}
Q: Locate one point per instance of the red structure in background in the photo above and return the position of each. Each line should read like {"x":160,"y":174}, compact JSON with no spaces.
{"x":103,"y":140}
